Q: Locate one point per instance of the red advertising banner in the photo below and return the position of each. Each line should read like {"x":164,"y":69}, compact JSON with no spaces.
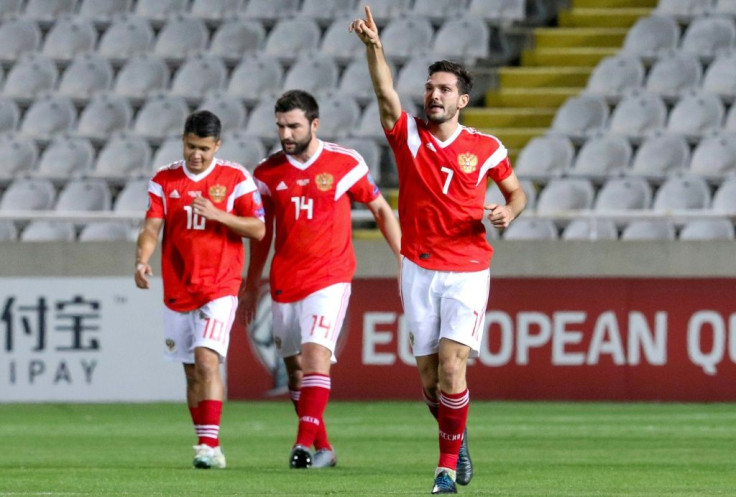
{"x":545,"y":339}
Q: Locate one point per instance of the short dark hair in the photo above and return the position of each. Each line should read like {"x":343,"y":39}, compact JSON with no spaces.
{"x":203,"y":123}
{"x":464,"y":79}
{"x":298,"y":99}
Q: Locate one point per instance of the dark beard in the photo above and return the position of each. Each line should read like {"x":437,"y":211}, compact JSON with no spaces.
{"x":299,"y":147}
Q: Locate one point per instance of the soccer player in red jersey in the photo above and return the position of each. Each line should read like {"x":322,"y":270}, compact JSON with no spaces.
{"x":307,"y":188}
{"x":205,"y":207}
{"x":443,"y":169}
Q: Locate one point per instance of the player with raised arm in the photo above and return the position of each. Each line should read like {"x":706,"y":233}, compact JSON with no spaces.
{"x":205,"y":207}
{"x":443,"y":169}
{"x":307,"y":189}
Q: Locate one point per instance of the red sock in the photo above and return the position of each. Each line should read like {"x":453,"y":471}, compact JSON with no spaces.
{"x":312,"y":403}
{"x":320,"y":441}
{"x":453,"y":415}
{"x":434,"y":406}
{"x":208,"y":429}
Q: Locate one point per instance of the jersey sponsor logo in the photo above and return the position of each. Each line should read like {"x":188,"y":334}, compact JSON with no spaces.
{"x":194,"y":194}
{"x":468,"y":162}
{"x":324,"y":181}
{"x":302,"y":182}
{"x":281,"y":186}
{"x":218,"y":193}
{"x":174,"y":194}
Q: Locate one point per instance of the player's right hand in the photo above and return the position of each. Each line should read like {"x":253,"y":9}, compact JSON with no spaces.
{"x":366,"y":29}
{"x":247,"y":305}
{"x":142,"y":272}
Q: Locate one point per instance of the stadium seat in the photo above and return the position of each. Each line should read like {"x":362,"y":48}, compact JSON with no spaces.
{"x":466,"y":39}
{"x":498,"y":12}
{"x":28,"y":194}
{"x":133,"y":197}
{"x":47,"y":12}
{"x":407,"y":37}
{"x":30,"y":77}
{"x":126,"y":38}
{"x":637,"y":114}
{"x":262,"y":123}
{"x":383,"y":10}
{"x":257,"y":76}
{"x":651,"y":37}
{"x":170,"y":150}
{"x":338,"y":115}
{"x":17,"y":37}
{"x":566,"y":194}
{"x":106,"y":232}
{"x":105,"y":114}
{"x":64,"y":158}
{"x":545,"y":157}
{"x":714,"y":157}
{"x":614,"y":75}
{"x":269,"y":12}
{"x":324,"y":12}
{"x":705,"y":36}
{"x":660,"y":155}
{"x":159,"y":11}
{"x":724,"y":200}
{"x":602,"y":156}
{"x":725,"y":8}
{"x":215,"y":11}
{"x":230,"y":109}
{"x":87,"y":74}
{"x":625,"y":193}
{"x":682,"y":192}
{"x":411,"y":78}
{"x":720,"y":77}
{"x":84,"y":195}
{"x":369,"y":125}
{"x":102,"y":12}
{"x":234,"y":38}
{"x":9,"y":115}
{"x":181,"y":37}
{"x":531,"y":229}
{"x":142,"y":76}
{"x":289,"y":38}
{"x":18,"y":156}
{"x":341,"y":44}
{"x":438,"y":11}
{"x":649,"y":229}
{"x":122,"y":156}
{"x":494,"y":195}
{"x":312,"y":72}
{"x":580,"y":116}
{"x":246,"y":151}
{"x":10,"y":9}
{"x":8,"y":231}
{"x":69,"y":37}
{"x":672,"y":75}
{"x":590,"y":228}
{"x":708,"y":229}
{"x":695,"y":114}
{"x":683,"y":10}
{"x":160,"y":116}
{"x":369,"y":150}
{"x":197,"y":75}
{"x":49,"y":116}
{"x":355,"y":81}
{"x":48,"y":231}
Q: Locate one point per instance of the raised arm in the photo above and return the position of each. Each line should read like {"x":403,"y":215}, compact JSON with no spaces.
{"x":389,"y":104}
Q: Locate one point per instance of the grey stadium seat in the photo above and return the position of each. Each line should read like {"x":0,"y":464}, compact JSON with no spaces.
{"x":64,"y":158}
{"x":198,"y":75}
{"x":8,"y":231}
{"x":720,"y":77}
{"x":705,"y":36}
{"x":312,"y":72}
{"x":651,"y":37}
{"x":339,"y":115}
{"x":355,"y":81}
{"x":545,"y":157}
{"x":714,"y":157}
{"x":102,"y":12}
{"x":682,"y":192}
{"x":683,"y":10}
{"x":17,"y":37}
{"x":230,"y":109}
{"x":590,"y":228}
{"x":18,"y":156}
{"x":28,"y":194}
{"x":708,"y":229}
{"x":159,"y":11}
{"x":730,"y":124}
{"x":696,"y":114}
{"x":10,"y":8}
{"x":411,"y":78}
{"x":580,"y":116}
{"x":105,"y":114}
{"x":48,"y":231}
{"x":637,"y":114}
{"x":246,"y":151}
{"x":30,"y":77}
{"x":106,"y":232}
{"x":69,"y":37}
{"x":49,"y":116}
{"x":269,"y":12}
{"x":262,"y":123}
{"x":531,"y":229}
{"x":672,"y":75}
{"x":341,"y":44}
{"x":236,"y":37}
{"x":438,"y":11}
{"x":494,"y":195}
{"x":255,"y":77}
{"x":123,"y":155}
{"x":290,"y":37}
{"x":369,"y":125}
{"x":407,"y":36}
{"x":498,"y":12}
{"x":133,"y":197}
{"x":614,"y":75}
{"x":127,"y":37}
{"x":466,"y":39}
{"x":649,"y":229}
{"x":625,"y":193}
{"x":9,"y":115}
{"x":369,"y":150}
{"x":566,"y":194}
{"x":88,"y":73}
{"x":46,"y":12}
{"x":724,"y":199}
{"x":602,"y":156}
{"x":661,"y":154}
{"x":180,"y":38}
{"x":160,"y":116}
{"x":141,"y":77}
{"x":383,"y":10}
{"x":326,"y":11}
{"x":725,"y":8}
{"x":84,"y":195}
{"x":170,"y":150}
{"x":215,"y":11}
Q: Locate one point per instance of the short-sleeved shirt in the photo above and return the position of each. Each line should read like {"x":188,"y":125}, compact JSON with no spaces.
{"x":442,"y":189}
{"x":201,"y":260}
{"x":311,"y":206}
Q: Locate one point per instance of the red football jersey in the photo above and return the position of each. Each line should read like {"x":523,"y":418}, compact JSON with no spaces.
{"x":442,"y":188}
{"x":201,"y":260}
{"x":311,"y":206}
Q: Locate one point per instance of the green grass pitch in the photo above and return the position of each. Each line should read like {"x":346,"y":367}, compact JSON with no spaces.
{"x":384,"y":448}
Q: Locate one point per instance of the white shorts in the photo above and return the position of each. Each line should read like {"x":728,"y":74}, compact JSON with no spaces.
{"x":317,"y":319}
{"x":209,"y":326}
{"x":443,"y":304}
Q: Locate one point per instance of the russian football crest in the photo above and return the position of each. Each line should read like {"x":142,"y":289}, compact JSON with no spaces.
{"x":468,"y":162}
{"x":217,"y":193}
{"x":324,"y":181}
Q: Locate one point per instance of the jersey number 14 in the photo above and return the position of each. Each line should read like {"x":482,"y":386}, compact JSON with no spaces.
{"x":303,"y":204}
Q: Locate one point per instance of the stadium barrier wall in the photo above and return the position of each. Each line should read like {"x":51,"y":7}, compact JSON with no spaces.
{"x":566,"y":320}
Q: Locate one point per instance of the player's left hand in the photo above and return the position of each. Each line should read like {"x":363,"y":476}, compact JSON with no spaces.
{"x":205,"y":208}
{"x":499,"y":215}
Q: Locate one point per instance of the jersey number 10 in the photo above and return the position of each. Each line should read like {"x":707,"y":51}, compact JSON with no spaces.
{"x":194,"y":220}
